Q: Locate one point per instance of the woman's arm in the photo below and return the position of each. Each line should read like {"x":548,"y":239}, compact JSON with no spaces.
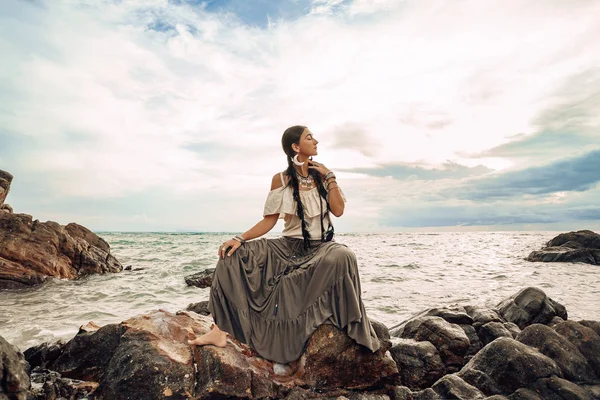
{"x":336,"y":202}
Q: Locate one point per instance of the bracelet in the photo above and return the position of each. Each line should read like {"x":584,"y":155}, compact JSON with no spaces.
{"x":332,"y":181}
{"x":239,"y":238}
{"x":330,"y":174}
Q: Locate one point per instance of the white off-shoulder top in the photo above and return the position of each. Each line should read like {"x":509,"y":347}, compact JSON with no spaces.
{"x":281,"y":201}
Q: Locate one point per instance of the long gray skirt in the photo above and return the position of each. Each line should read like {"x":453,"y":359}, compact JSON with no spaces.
{"x":272,"y":294}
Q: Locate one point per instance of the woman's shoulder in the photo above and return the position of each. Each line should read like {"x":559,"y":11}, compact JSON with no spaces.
{"x":280,"y":179}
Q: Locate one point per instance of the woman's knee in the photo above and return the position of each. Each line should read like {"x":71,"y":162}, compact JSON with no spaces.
{"x":342,"y":257}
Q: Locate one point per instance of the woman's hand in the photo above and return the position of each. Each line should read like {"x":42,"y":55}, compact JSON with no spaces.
{"x":320,"y":168}
{"x":231,"y":244}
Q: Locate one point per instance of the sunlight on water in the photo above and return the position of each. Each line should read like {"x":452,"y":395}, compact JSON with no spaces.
{"x":401,"y":274}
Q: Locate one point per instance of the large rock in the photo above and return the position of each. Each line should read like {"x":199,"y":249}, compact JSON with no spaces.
{"x":585,"y":339}
{"x":148,"y":357}
{"x":530,"y":306}
{"x":419,"y":363}
{"x":580,"y":246}
{"x":14,"y":381}
{"x":573,"y":364}
{"x":557,"y":388}
{"x":453,"y":387}
{"x":33,"y":251}
{"x":506,"y":365}
{"x":449,"y":339}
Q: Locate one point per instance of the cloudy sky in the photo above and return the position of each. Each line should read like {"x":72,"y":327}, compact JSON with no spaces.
{"x":167,"y":115}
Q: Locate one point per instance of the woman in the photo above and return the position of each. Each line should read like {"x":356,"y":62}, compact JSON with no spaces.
{"x":272,"y":294}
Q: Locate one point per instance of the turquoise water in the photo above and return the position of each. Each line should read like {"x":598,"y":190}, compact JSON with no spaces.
{"x":401,"y":274}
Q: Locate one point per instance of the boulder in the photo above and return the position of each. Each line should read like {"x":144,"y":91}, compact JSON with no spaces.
{"x":453,"y":387}
{"x":474,"y":342}
{"x":506,"y":365}
{"x":148,"y":357}
{"x":585,"y":339}
{"x":530,"y":306}
{"x":595,"y":325}
{"x":419,"y":363}
{"x":33,"y":251}
{"x":482,"y":315}
{"x":572,"y":363}
{"x":46,"y":384}
{"x":404,"y":393}
{"x":199,"y":308}
{"x":202,"y":279}
{"x":449,"y":339}
{"x":492,"y":331}
{"x":557,"y":388}
{"x":580,"y":246}
{"x":14,"y":380}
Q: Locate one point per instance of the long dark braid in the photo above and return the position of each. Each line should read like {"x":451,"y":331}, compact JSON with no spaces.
{"x":290,"y":136}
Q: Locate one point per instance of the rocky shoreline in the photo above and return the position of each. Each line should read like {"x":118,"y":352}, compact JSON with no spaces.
{"x":525,"y":348}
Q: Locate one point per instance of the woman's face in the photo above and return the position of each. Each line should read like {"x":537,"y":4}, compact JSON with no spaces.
{"x":307,"y":145}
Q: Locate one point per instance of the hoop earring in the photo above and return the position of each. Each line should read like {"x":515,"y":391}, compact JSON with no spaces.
{"x":296,"y":162}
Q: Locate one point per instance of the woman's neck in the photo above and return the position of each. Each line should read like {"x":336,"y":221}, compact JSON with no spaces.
{"x":303,"y":170}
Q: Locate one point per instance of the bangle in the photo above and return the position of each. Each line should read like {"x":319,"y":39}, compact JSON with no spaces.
{"x":239,"y":238}
{"x":329,"y":183}
{"x":330,"y":174}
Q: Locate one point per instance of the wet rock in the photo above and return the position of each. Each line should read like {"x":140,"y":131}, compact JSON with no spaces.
{"x":199,"y":308}
{"x":453,"y":387}
{"x":332,"y":360}
{"x":419,"y":363}
{"x":474,"y":342}
{"x":44,"y":354}
{"x":506,"y":365}
{"x":404,"y":393}
{"x":492,"y":331}
{"x":525,"y":394}
{"x":585,"y":339}
{"x":202,"y":279}
{"x":530,"y":306}
{"x":449,"y":339}
{"x":14,"y":381}
{"x":572,"y":363}
{"x":557,"y":388}
{"x":482,"y":315}
{"x":454,"y":314}
{"x":50,"y":385}
{"x":33,"y":251}
{"x":580,"y":246}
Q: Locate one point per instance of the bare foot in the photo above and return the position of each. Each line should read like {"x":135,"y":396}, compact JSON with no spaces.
{"x":215,"y":337}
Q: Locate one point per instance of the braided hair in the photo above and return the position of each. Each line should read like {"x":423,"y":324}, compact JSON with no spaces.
{"x":292,"y":136}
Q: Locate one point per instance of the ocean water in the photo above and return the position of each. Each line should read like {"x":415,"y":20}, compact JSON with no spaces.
{"x":401,"y":275}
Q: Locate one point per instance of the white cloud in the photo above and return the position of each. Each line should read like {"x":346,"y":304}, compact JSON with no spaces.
{"x":116,"y":108}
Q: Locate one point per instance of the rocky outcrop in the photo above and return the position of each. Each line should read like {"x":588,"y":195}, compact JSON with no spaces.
{"x":32,"y":251}
{"x":581,"y":246}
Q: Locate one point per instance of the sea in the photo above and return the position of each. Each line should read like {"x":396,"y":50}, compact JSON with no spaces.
{"x":401,"y":275}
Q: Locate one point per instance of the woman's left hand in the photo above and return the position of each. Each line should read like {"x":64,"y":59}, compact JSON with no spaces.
{"x":320,"y":168}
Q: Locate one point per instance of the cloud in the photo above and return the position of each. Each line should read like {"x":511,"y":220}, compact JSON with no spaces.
{"x":185,"y":101}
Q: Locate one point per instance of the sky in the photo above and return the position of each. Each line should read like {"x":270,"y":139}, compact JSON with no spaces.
{"x":167,"y":115}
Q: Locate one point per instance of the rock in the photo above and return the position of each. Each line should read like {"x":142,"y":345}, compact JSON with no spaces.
{"x":506,"y":365}
{"x":585,"y":339}
{"x":404,"y":393}
{"x":202,"y":279}
{"x":492,"y":331}
{"x":530,"y":306}
{"x":585,"y":238}
{"x":557,"y":388}
{"x":5,"y":180}
{"x":14,"y":381}
{"x":33,"y":251}
{"x":44,"y":354}
{"x":449,"y":339}
{"x":332,"y":360}
{"x":453,"y":387}
{"x":482,"y":315}
{"x":419,"y":363}
{"x":199,"y":308}
{"x":454,"y":314}
{"x":474,"y":342}
{"x":595,"y":325}
{"x":6,"y":208}
{"x":572,"y":363}
{"x":580,"y":246}
{"x":46,"y":384}
{"x":525,"y":394}
{"x":148,"y":357}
